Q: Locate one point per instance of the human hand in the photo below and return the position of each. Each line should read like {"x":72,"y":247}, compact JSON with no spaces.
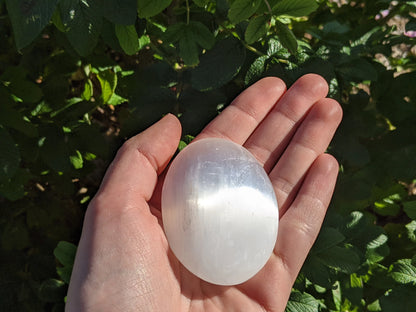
{"x":124,"y":263}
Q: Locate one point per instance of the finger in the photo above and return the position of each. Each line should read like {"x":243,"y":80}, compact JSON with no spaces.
{"x":311,"y":139}
{"x":300,"y":225}
{"x":269,"y":140}
{"x":133,"y":173}
{"x":242,"y":116}
{"x":298,"y":229}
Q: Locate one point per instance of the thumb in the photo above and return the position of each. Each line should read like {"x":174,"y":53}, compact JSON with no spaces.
{"x":133,"y":173}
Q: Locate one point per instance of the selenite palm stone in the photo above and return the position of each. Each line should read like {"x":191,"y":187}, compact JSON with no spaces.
{"x":219,"y":211}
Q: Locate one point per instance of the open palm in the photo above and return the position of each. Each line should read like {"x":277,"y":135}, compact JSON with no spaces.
{"x":124,"y":263}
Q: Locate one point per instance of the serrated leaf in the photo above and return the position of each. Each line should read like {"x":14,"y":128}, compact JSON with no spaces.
{"x":29,"y":18}
{"x":256,"y":69}
{"x":404,"y":272}
{"x":295,"y":8}
{"x":410,"y":209}
{"x":328,"y":237}
{"x":149,"y":8}
{"x":128,"y":38}
{"x":242,"y":9}
{"x":377,"y":242}
{"x":302,"y":302}
{"x":9,"y":155}
{"x":411,"y":231}
{"x":287,"y":38}
{"x":228,"y":55}
{"x":82,"y":23}
{"x":122,"y":12}
{"x":257,"y":28}
{"x":341,"y":259}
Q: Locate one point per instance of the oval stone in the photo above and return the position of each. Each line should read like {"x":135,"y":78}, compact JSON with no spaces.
{"x":219,"y":211}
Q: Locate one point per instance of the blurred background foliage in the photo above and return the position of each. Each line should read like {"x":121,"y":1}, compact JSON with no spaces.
{"x":78,"y":77}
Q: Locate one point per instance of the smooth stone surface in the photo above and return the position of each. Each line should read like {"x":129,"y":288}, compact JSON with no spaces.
{"x":219,"y":211}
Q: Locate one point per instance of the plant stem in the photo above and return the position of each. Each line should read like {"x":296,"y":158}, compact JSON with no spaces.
{"x":251,"y":48}
{"x":187,"y":12}
{"x":268,"y":7}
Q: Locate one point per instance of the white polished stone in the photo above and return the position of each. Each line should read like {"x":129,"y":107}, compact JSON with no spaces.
{"x":219,"y":211}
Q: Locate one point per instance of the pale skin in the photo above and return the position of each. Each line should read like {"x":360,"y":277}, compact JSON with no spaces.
{"x":124,"y":263}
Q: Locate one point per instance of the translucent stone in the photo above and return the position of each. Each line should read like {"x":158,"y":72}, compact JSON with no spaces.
{"x":219,"y":211}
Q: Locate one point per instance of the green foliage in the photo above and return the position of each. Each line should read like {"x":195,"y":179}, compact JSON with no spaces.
{"x":79,"y":77}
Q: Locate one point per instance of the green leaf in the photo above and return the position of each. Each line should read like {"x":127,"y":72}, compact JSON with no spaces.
{"x":190,"y":37}
{"x":76,"y":160}
{"x":83,"y":24}
{"x":88,"y":90}
{"x":357,"y":70}
{"x":116,"y":99}
{"x":377,"y":249}
{"x":108,"y":82}
{"x":315,"y":271}
{"x":295,"y":8}
{"x":341,"y":259}
{"x":188,"y":49}
{"x":54,"y":150}
{"x":149,"y":8}
{"x":228,"y":55}
{"x":410,"y":209}
{"x":387,"y":207}
{"x":256,"y":69}
{"x":411,"y":231}
{"x":287,"y":38}
{"x":14,"y":188}
{"x":122,"y":12}
{"x":9,"y":155}
{"x":404,"y":272}
{"x":65,"y":253}
{"x":18,"y":84}
{"x":11,"y":118}
{"x":242,"y":9}
{"x":302,"y":302}
{"x":257,"y":28}
{"x":128,"y":38}
{"x":64,"y":273}
{"x":328,"y":237}
{"x":202,"y":35}
{"x":144,"y":40}
{"x":29,"y":18}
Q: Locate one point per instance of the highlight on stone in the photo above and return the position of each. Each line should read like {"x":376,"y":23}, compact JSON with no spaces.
{"x":219,"y":211}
